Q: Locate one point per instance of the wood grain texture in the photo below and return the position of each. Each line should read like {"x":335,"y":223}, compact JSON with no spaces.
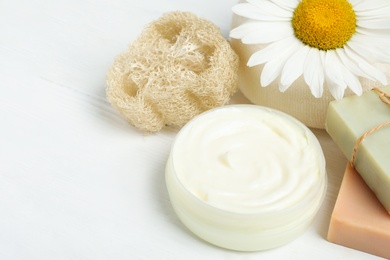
{"x":76,"y":181}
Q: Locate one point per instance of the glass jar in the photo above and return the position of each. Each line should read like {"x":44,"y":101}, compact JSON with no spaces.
{"x":246,"y":177}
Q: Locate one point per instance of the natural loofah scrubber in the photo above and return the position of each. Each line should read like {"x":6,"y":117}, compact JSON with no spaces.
{"x":179,"y":66}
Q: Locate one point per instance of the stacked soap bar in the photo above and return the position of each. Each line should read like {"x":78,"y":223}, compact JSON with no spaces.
{"x":359,"y":221}
{"x":347,"y":120}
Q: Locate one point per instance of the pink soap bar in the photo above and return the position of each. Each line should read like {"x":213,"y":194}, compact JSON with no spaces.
{"x":359,"y":220}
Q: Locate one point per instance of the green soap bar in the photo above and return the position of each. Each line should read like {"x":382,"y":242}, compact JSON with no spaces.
{"x":347,"y":120}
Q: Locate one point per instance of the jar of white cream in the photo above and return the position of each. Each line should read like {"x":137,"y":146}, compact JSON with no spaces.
{"x":246,"y":177}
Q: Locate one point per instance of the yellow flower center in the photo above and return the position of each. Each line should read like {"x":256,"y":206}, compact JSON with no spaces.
{"x":324,"y":24}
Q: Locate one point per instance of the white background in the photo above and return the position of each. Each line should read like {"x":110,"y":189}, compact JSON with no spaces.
{"x":77,"y":181}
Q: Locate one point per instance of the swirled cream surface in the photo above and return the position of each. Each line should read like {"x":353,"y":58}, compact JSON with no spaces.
{"x":247,"y":159}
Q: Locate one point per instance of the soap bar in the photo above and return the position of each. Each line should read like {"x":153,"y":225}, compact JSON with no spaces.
{"x":350,"y":118}
{"x":359,"y":220}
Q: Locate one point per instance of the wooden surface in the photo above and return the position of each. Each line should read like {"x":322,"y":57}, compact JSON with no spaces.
{"x":78,"y":182}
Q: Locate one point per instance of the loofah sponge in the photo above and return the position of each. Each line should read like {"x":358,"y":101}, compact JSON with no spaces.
{"x":178,"y":67}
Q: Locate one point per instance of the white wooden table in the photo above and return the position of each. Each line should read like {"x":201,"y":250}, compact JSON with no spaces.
{"x":77,"y":181}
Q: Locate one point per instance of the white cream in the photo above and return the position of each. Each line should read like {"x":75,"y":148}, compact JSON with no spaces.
{"x":246,"y":160}
{"x":245,"y":177}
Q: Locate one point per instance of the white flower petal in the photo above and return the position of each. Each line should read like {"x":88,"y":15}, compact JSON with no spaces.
{"x":273,"y":68}
{"x":370,"y":5}
{"x":368,"y":69}
{"x":351,"y":80}
{"x":269,"y":32}
{"x":335,"y":89}
{"x":252,"y":12}
{"x":381,"y":23}
{"x":354,"y":84}
{"x":247,"y":10}
{"x":244,"y":29}
{"x":351,"y":65}
{"x":369,"y":50}
{"x":293,"y":68}
{"x":382,"y":33}
{"x":288,"y":5}
{"x":314,"y":71}
{"x":333,"y":75}
{"x":261,"y":32}
{"x":374,"y":41}
{"x":270,"y":72}
{"x":355,"y":2}
{"x":269,"y":52}
{"x":373,"y":13}
{"x":272,"y":8}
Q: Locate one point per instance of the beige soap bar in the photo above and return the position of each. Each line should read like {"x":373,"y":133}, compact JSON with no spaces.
{"x":359,"y":220}
{"x":350,"y":118}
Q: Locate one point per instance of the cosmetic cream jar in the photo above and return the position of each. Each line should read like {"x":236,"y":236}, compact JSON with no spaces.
{"x":246,"y":177}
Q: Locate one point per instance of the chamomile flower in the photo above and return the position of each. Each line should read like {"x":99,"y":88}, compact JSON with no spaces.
{"x":328,"y":42}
